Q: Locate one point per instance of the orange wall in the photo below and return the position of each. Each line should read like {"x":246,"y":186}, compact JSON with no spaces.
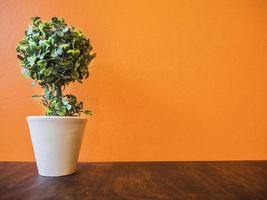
{"x":173,"y":79}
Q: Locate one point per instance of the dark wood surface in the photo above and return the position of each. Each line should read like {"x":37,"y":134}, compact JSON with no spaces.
{"x":244,"y":180}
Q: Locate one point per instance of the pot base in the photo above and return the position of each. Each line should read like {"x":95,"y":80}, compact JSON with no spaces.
{"x":57,"y":175}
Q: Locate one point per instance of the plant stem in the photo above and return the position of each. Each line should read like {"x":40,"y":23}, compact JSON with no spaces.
{"x":58,"y":91}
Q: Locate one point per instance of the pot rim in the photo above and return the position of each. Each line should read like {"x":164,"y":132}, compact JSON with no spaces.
{"x":55,"y":117}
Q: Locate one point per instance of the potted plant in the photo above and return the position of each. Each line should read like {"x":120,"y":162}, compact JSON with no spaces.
{"x":55,"y":54}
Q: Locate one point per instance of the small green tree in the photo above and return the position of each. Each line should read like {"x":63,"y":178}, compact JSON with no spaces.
{"x":54,"y":54}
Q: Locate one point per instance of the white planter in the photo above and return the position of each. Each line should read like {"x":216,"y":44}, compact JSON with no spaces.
{"x":56,"y":143}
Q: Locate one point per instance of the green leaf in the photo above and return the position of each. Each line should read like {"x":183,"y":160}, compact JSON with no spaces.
{"x":54,"y":53}
{"x":31,"y":60}
{"x":41,"y":28}
{"x":66,"y":29}
{"x":59,"y":51}
{"x":42,"y":55}
{"x":47,"y":93}
{"x":51,"y":40}
{"x":26,"y":74}
{"x":88,"y":112}
{"x":71,"y":51}
{"x":75,"y":74}
{"x":62,"y":111}
{"x":64,"y":46}
{"x":60,"y":33}
{"x":42,"y":71}
{"x":77,"y":64}
{"x":74,"y":52}
{"x":42,"y":63}
{"x":44,"y":44}
{"x":58,"y":105}
{"x":49,"y":79}
{"x":29,"y":32}
{"x":68,"y":106}
{"x":53,"y":102}
{"x":35,"y":18}
{"x":48,"y":71}
{"x":20,"y":57}
{"x":65,"y":101}
{"x":36,"y":96}
{"x":33,"y":46}
{"x":49,"y":111}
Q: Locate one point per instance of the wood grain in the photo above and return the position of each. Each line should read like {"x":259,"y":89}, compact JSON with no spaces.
{"x":242,"y":180}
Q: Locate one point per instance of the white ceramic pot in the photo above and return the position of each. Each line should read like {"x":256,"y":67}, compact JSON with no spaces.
{"x":56,"y":143}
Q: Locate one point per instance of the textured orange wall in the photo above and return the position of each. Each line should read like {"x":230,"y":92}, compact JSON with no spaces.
{"x":173,"y":80}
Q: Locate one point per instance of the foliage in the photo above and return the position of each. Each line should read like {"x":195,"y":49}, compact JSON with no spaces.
{"x":54,"y":54}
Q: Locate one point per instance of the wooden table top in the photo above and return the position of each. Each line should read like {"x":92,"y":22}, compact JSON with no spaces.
{"x":244,"y":180}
